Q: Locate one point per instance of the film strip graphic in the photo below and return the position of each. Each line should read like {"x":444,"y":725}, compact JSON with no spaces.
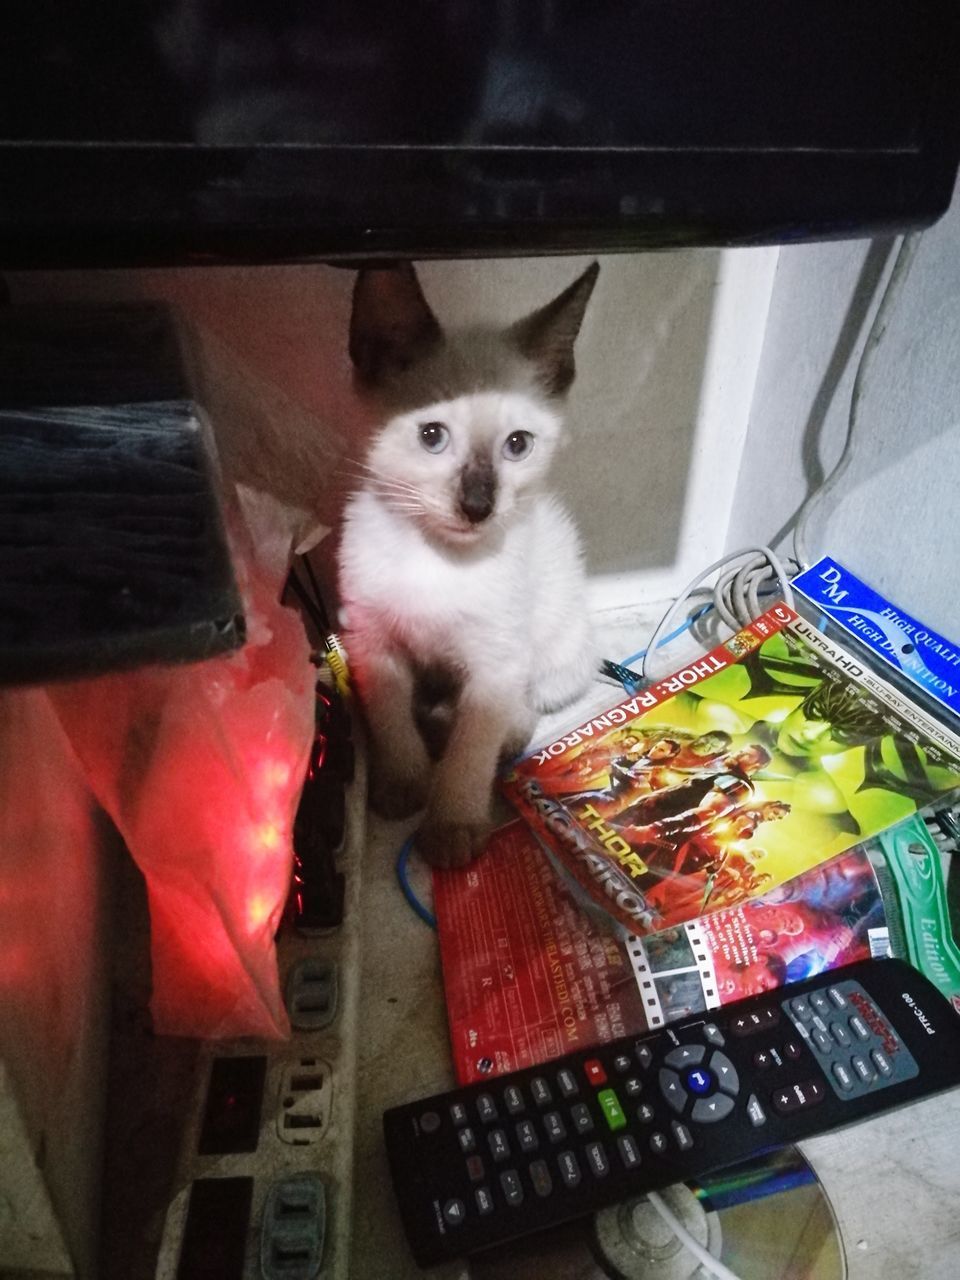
{"x":674,"y":979}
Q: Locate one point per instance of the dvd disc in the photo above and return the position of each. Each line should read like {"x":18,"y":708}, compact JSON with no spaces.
{"x":768,"y":1217}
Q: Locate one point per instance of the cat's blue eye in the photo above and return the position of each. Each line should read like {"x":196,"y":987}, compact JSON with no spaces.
{"x":434,"y":437}
{"x":518,"y":444}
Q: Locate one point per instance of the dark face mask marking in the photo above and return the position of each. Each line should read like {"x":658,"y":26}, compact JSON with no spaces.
{"x":478,"y":489}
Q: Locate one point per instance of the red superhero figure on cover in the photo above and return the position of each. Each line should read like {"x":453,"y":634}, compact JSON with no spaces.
{"x":625,"y":774}
{"x":564,"y":775}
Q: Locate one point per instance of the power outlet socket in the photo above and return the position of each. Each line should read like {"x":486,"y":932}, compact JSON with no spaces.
{"x":311,"y":994}
{"x":293,"y":1229}
{"x":305,"y":1101}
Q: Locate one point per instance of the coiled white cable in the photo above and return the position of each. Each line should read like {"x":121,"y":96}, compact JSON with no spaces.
{"x":706,"y":1259}
{"x":743,"y":576}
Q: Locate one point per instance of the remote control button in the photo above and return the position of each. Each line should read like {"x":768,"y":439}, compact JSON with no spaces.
{"x":553,"y":1123}
{"x":429,"y":1122}
{"x":643,"y":1053}
{"x":863,"y":1069}
{"x":881,"y":1062}
{"x":484,"y":1201}
{"x":681,"y":1135}
{"x":629,"y":1151}
{"x":513,"y":1099}
{"x":748,"y":1024}
{"x":838,"y":998}
{"x":527,"y":1136}
{"x":612,"y":1111}
{"x":687,"y":1055}
{"x":821,"y":1040}
{"x":709,"y":1110}
{"x":512,"y":1190}
{"x":700,"y":1081}
{"x":475,"y":1168}
{"x":541,"y":1091}
{"x":713,"y":1035}
{"x":597,"y":1160}
{"x":798,"y":1096}
{"x":569,"y":1169}
{"x":645,"y":1113}
{"x":859,"y":1027}
{"x":622,"y":1063}
{"x":581,"y":1117}
{"x":633,"y":1087}
{"x":458,"y":1113}
{"x":486,"y":1108}
{"x":658,"y":1143}
{"x":454,"y":1212}
{"x":842,"y":1076}
{"x":568,"y":1083}
{"x":819,"y":1003}
{"x":593,"y":1070}
{"x":801,"y":1009}
{"x":792,"y":1051}
{"x":499,"y":1146}
{"x":840,"y":1034}
{"x":540,"y":1177}
{"x":764,"y":1060}
{"x":673,"y":1090}
{"x":755,"y":1111}
{"x":726,"y":1073}
{"x":467,"y":1140}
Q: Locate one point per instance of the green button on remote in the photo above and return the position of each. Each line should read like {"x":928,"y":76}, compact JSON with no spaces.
{"x":611,"y":1109}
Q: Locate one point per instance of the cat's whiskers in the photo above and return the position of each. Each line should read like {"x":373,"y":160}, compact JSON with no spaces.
{"x":366,"y":472}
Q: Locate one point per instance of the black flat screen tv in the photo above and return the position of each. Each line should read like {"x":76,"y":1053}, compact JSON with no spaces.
{"x":193,"y":131}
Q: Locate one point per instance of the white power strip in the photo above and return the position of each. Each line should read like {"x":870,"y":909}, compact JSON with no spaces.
{"x":309,"y":1098}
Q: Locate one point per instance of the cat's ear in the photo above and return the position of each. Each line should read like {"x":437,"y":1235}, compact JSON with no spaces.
{"x":391,"y":325}
{"x":547,"y":336}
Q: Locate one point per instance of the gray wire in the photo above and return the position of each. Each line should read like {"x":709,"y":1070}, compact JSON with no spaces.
{"x":736,"y":594}
{"x":895,"y":281}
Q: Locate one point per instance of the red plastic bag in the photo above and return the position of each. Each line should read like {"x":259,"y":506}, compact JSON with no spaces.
{"x":200,"y":768}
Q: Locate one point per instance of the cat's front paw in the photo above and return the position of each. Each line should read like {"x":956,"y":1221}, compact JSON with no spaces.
{"x":394,"y":797}
{"x":451,"y":844}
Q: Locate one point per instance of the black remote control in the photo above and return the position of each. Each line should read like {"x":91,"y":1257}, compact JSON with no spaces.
{"x":481,"y":1165}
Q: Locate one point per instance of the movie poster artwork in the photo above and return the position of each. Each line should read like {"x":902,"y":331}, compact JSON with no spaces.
{"x":773,"y":753}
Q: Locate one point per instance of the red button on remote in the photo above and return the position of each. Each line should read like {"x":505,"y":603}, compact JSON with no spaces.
{"x":595,"y":1072}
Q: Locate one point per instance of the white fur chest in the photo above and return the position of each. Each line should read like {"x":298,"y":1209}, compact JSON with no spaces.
{"x":393,"y":578}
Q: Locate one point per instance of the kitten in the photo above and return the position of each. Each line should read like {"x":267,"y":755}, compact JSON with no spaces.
{"x":461,"y":579}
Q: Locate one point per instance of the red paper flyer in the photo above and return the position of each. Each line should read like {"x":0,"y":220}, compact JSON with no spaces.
{"x":529,"y":974}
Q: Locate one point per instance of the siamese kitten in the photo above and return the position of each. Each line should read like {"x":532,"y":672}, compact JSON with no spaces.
{"x":460,"y":576}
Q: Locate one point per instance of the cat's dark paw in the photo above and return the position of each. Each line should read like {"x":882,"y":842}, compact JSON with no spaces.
{"x":451,"y":844}
{"x":396,"y":797}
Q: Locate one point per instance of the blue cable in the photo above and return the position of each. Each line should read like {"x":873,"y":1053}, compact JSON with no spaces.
{"x":402,"y":859}
{"x":678,"y":631}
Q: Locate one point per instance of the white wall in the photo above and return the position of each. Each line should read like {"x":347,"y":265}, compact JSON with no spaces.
{"x":895,"y":520}
{"x":667,"y":361}
{"x":712,"y":394}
